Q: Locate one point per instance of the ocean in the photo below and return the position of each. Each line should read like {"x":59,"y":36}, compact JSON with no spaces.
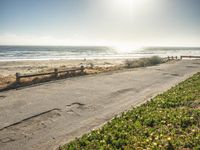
{"x":17,"y":53}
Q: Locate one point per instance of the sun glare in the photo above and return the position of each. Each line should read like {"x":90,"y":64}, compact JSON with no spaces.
{"x":126,"y":48}
{"x":128,"y":5}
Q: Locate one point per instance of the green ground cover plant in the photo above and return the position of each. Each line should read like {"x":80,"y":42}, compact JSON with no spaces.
{"x":169,"y":121}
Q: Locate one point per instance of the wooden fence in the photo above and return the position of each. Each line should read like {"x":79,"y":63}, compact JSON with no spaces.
{"x":80,"y":71}
{"x":172,"y":57}
{"x":189,"y":57}
{"x":55,"y":73}
{"x":181,"y":57}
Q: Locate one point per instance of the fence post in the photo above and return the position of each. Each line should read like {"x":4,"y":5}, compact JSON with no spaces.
{"x":181,"y":58}
{"x":82,"y":70}
{"x":17,"y":77}
{"x":67,"y":74}
{"x":56,"y":73}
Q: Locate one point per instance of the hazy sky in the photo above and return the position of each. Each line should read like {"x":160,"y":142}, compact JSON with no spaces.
{"x":100,"y":22}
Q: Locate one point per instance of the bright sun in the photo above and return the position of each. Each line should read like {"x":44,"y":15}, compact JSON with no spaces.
{"x":128,"y":5}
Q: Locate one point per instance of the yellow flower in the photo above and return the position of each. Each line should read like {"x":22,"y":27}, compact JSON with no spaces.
{"x":168,"y":138}
{"x":155,"y":143}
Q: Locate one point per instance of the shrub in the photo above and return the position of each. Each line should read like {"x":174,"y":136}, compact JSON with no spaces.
{"x":143,"y":62}
{"x":154,"y":60}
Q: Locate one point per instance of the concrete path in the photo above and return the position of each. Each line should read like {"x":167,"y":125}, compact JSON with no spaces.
{"x":45,"y":116}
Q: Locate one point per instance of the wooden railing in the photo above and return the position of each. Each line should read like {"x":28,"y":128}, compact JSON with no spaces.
{"x":55,"y":73}
{"x":172,"y":57}
{"x":72,"y":72}
{"x":189,"y":57}
{"x":181,"y":57}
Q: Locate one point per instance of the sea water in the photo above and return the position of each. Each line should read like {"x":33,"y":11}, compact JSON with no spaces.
{"x":17,"y":53}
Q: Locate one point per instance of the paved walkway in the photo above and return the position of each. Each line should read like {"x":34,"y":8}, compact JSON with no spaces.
{"x":47,"y":115}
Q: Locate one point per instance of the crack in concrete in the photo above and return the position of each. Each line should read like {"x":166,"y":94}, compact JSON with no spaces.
{"x":29,"y":118}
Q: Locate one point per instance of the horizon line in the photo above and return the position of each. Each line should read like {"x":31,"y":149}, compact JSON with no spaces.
{"x":150,"y":46}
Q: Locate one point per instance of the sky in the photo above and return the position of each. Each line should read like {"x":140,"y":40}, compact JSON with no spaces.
{"x":122,"y":23}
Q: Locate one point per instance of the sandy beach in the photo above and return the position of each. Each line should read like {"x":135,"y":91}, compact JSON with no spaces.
{"x":32,"y":66}
{"x":8,"y":69}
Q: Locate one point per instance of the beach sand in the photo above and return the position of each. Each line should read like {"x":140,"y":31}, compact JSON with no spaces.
{"x":8,"y":69}
{"x":32,"y":66}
